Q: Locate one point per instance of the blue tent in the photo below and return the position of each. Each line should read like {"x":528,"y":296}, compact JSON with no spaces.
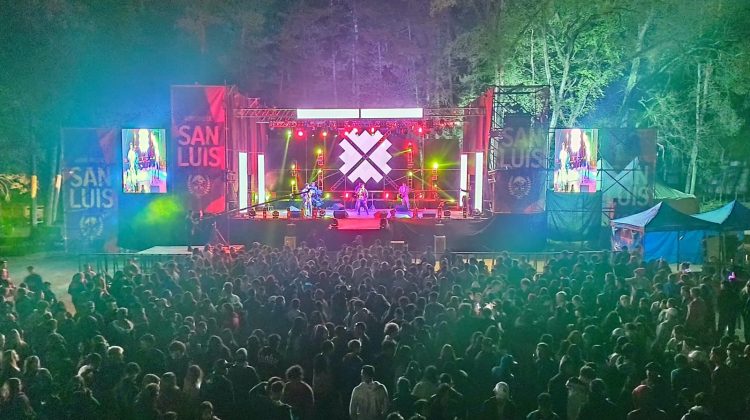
{"x":731,"y":217}
{"x":663,"y":232}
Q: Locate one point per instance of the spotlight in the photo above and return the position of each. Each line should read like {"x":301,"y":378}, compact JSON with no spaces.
{"x":387,"y":195}
{"x":435,"y":165}
{"x":324,"y":134}
{"x":420,"y":130}
{"x":275,"y":214}
{"x":251,"y":213}
{"x":372,"y":130}
{"x":321,"y":213}
{"x":300,"y":133}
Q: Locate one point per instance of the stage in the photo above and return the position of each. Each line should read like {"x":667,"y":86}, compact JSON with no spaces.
{"x":494,"y":233}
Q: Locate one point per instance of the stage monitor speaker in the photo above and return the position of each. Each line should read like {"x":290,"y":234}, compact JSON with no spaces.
{"x":400,"y":245}
{"x":340,"y":214}
{"x":440,"y":245}
{"x":402,"y":209}
{"x":295,"y":214}
{"x":337,"y":206}
{"x":426,"y":215}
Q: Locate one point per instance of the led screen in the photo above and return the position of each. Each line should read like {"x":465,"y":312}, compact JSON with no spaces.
{"x":144,"y":161}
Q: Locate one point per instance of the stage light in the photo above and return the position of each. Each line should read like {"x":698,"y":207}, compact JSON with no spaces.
{"x":328,"y":196}
{"x":242,"y":163}
{"x":420,"y":130}
{"x":411,"y":173}
{"x":275,"y":214}
{"x":346,"y":195}
{"x":294,"y":182}
{"x":318,"y":152}
{"x":327,"y":114}
{"x":464,"y":177}
{"x":300,"y":133}
{"x":372,"y":130}
{"x":478,"y":180}
{"x":435,"y":165}
{"x":324,"y":134}
{"x":391,"y":113}
{"x":288,"y":134}
{"x":294,"y":166}
{"x":261,"y":178}
{"x":387,"y":195}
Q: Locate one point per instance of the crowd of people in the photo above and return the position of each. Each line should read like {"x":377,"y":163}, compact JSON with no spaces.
{"x":371,"y":332}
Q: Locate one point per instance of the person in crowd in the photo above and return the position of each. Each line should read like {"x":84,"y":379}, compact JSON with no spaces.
{"x":449,"y":337}
{"x":369,"y":399}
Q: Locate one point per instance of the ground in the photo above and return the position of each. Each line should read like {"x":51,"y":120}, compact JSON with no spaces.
{"x":56,"y":268}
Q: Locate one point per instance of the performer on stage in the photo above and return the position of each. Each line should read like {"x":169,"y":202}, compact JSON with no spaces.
{"x":361,"y":194}
{"x":466,"y":201}
{"x":307,"y":194}
{"x":403,"y":191}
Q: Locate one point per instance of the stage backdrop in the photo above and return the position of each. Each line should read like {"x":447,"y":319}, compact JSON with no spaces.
{"x":521,"y":169}
{"x":91,"y":174}
{"x":199,"y":121}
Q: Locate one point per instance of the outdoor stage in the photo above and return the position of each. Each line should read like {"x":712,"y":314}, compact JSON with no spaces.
{"x":498,"y":232}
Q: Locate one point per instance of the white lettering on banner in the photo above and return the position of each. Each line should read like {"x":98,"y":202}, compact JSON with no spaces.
{"x":522,"y":148}
{"x":365,"y":156}
{"x":200,"y":146}
{"x":90,"y":188}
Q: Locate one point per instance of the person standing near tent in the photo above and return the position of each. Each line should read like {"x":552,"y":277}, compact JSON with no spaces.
{"x":697,"y":314}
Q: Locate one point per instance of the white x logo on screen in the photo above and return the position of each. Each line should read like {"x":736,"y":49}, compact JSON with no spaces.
{"x":365,"y":156}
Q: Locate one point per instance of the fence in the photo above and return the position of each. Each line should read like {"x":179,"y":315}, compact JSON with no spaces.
{"x":109,"y":263}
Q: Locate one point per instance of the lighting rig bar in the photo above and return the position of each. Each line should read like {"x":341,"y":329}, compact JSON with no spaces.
{"x":288,"y":117}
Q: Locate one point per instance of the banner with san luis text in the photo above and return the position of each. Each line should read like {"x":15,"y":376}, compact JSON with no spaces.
{"x":91,"y":182}
{"x":199,"y":125}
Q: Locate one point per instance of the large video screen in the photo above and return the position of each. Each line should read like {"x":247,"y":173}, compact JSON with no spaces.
{"x":576,"y":151}
{"x":144,"y":161}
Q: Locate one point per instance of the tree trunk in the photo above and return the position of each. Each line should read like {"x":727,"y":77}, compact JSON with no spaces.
{"x":49,"y":210}
{"x":635,"y":66}
{"x":355,"y":48}
{"x":531,"y":58}
{"x":690,"y":179}
{"x":548,"y":74}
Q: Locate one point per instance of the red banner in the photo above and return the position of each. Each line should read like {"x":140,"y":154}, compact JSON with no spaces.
{"x":477,"y":128}
{"x":199,"y":126}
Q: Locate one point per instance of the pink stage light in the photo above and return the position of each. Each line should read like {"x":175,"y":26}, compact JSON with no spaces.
{"x":391,"y":113}
{"x":327,"y":114}
{"x":300,"y":133}
{"x":420,"y":130}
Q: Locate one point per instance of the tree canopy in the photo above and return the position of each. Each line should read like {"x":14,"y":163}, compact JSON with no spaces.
{"x":677,"y":65}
